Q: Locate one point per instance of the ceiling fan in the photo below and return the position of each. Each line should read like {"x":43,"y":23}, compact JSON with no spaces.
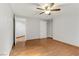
{"x":48,"y":8}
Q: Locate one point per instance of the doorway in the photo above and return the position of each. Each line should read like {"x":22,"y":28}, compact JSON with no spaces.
{"x":19,"y":29}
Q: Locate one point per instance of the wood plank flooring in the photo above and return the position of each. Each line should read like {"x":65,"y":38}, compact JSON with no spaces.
{"x":43,"y":47}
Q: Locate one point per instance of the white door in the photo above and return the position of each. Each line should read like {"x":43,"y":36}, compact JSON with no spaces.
{"x":43,"y":29}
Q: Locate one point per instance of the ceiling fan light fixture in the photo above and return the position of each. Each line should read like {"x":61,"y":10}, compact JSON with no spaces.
{"x":47,"y":12}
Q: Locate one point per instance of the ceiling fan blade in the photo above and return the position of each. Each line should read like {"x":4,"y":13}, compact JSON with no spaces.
{"x":51,"y":4}
{"x":41,"y":13}
{"x":40,"y":8}
{"x":55,"y":9}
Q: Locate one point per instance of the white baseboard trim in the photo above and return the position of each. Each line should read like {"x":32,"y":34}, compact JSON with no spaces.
{"x":66,"y":42}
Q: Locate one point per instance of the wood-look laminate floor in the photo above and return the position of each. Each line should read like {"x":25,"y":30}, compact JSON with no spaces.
{"x":43,"y":47}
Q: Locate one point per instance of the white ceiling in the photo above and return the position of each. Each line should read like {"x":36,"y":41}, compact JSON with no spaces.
{"x":29,"y":10}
